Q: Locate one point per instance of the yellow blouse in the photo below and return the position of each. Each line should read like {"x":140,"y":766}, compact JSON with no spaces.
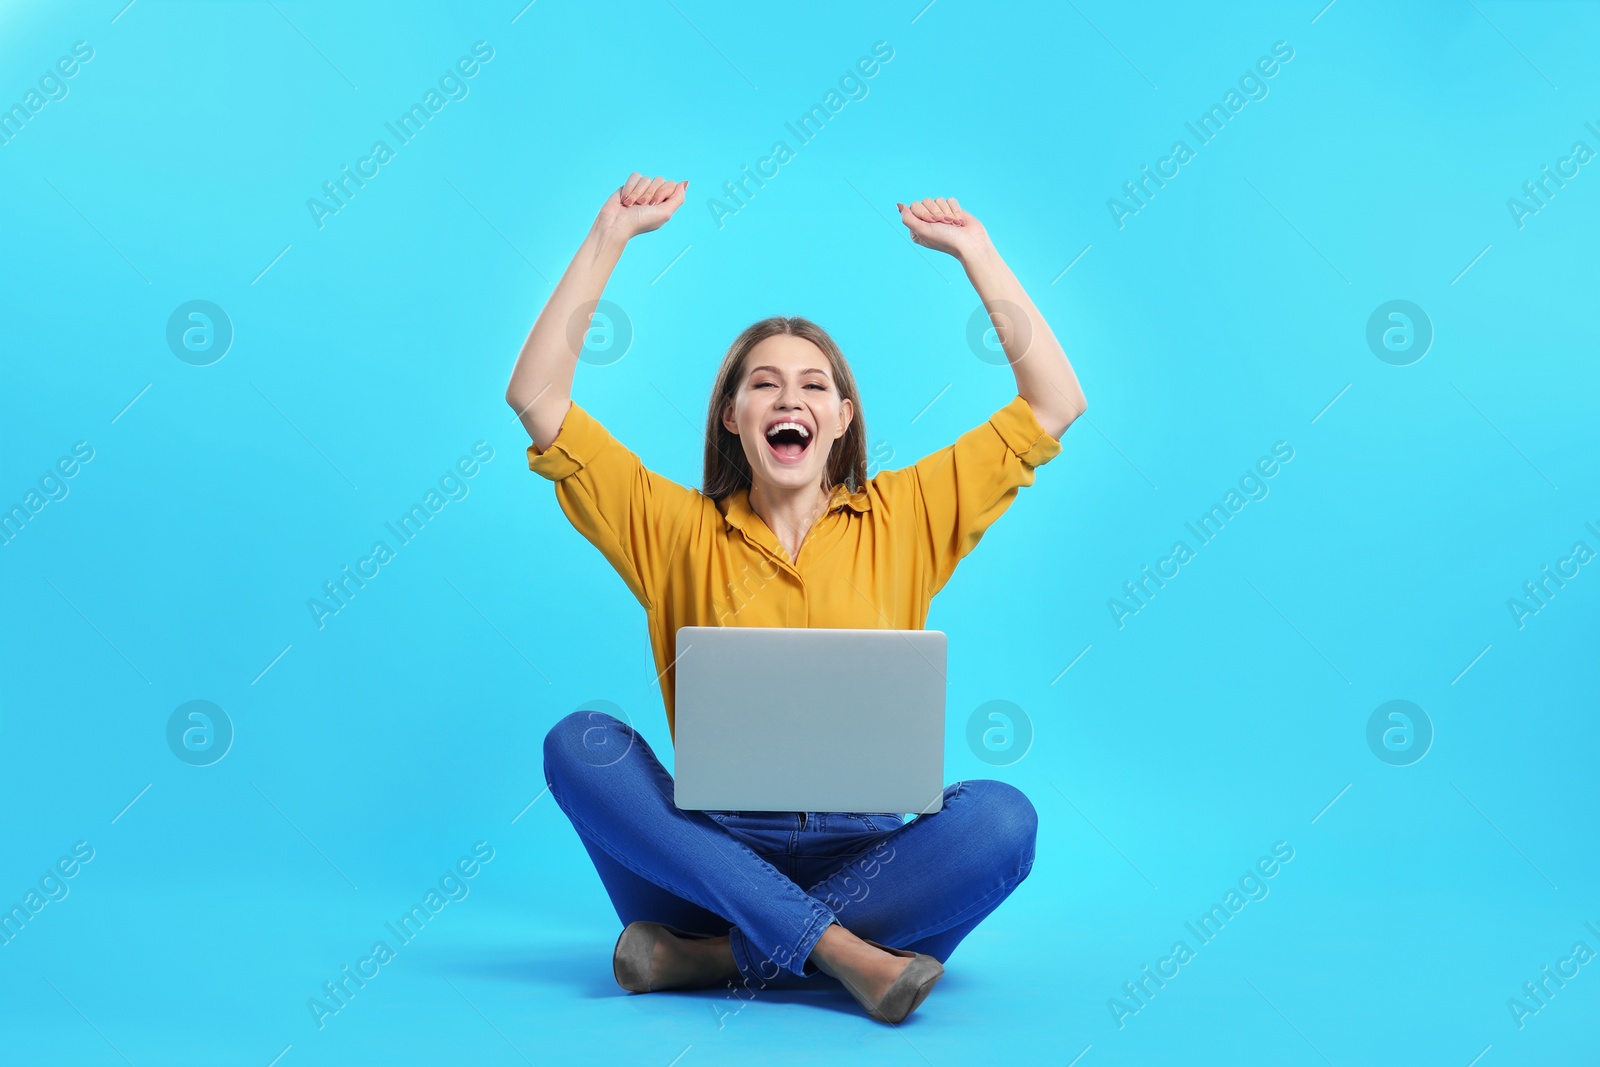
{"x":873,"y":560}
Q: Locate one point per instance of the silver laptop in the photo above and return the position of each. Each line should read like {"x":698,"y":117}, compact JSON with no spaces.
{"x":772,"y":718}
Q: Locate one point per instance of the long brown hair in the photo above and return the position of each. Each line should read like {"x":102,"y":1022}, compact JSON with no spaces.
{"x":727,"y":470}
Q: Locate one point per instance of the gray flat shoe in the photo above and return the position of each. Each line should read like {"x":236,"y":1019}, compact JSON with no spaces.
{"x":633,"y":960}
{"x":908,"y":991}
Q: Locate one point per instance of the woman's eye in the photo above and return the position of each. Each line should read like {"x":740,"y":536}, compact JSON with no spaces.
{"x":817,"y":385}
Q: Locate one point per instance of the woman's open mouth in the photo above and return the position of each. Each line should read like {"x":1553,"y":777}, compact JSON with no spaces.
{"x":788,"y":441}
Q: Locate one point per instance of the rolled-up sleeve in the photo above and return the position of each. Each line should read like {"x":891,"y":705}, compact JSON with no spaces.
{"x":630,"y":513}
{"x":953,"y":495}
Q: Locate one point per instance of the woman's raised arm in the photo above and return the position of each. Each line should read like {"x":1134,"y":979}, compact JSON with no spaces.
{"x":1044,"y":377}
{"x":540,"y":390}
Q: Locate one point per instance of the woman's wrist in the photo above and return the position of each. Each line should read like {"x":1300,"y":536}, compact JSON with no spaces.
{"x":983,"y":265}
{"x":606,"y":240}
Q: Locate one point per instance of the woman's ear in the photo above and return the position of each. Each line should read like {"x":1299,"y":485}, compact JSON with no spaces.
{"x":727,"y":417}
{"x":847,"y":412}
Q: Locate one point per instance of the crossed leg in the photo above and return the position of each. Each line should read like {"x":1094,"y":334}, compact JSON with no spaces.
{"x":922,"y":886}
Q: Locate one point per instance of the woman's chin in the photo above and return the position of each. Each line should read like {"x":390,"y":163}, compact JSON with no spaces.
{"x":784,"y":476}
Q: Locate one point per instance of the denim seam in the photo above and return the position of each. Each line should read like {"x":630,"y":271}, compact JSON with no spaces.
{"x":779,"y":879}
{"x":744,"y":952}
{"x":1004,"y":889}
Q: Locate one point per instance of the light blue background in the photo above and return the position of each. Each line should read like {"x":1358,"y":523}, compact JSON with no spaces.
{"x":371,"y":353}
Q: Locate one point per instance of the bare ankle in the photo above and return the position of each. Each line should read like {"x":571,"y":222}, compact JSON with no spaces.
{"x":838,"y":948}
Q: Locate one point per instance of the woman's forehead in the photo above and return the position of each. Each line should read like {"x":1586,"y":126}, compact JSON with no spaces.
{"x":786,"y":352}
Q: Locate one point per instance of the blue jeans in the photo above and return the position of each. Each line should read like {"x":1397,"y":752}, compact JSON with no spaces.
{"x":774,"y":881}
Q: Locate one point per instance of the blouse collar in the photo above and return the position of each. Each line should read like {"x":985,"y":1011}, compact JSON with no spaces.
{"x":736,"y":507}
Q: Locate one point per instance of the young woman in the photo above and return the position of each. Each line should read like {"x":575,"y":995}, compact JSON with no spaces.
{"x":788,"y":531}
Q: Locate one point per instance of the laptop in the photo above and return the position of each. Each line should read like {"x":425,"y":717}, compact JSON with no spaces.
{"x":773,"y":718}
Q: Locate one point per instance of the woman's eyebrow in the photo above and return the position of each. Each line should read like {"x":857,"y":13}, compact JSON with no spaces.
{"x":775,"y":370}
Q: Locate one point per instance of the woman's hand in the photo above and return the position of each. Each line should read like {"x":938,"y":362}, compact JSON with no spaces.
{"x":941,"y":224}
{"x":641,"y":205}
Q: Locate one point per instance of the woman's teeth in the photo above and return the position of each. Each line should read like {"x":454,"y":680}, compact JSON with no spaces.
{"x":788,"y":441}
